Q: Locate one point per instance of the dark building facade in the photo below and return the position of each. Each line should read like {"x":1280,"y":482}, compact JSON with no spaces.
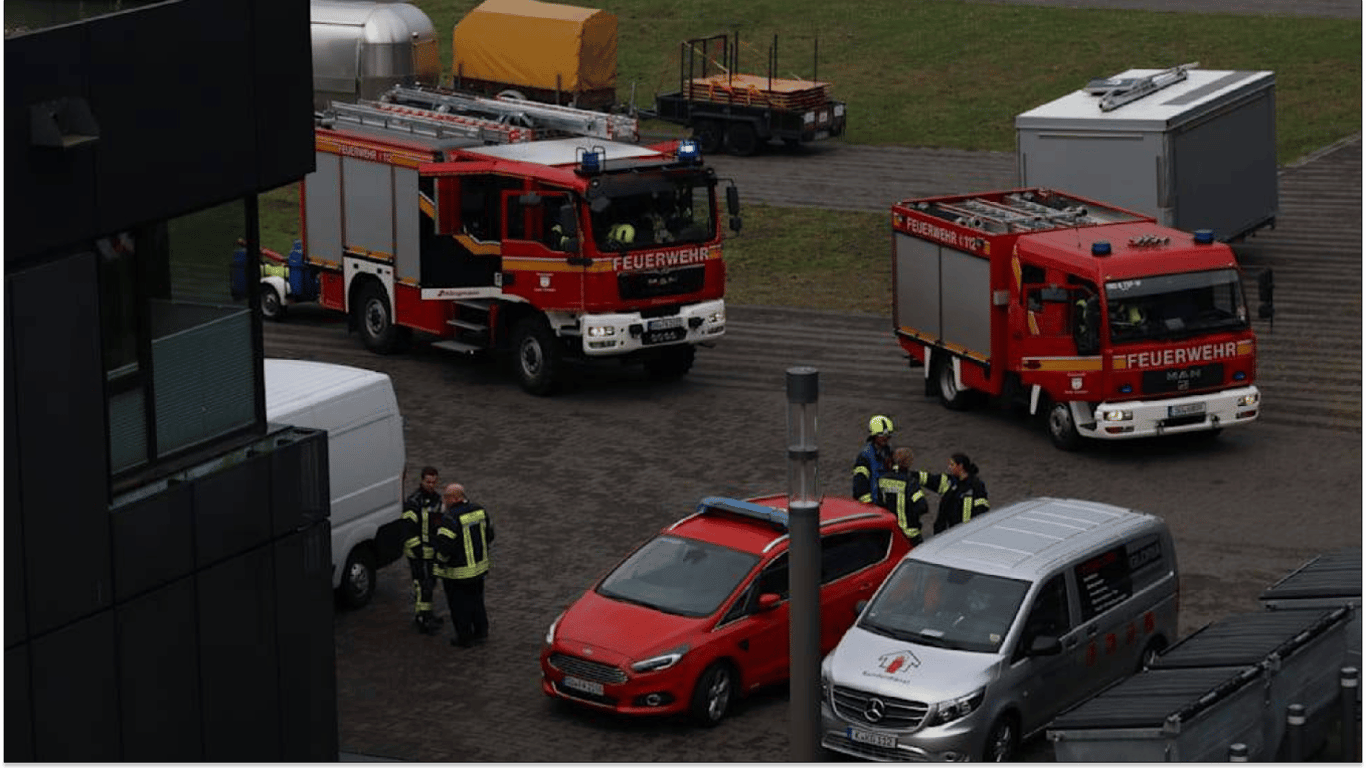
{"x":167,"y":566}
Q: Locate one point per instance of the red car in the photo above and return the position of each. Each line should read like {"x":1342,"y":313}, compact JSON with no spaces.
{"x":699,"y":614}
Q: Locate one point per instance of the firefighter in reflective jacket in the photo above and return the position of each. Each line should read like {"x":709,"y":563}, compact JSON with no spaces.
{"x":421,"y":518}
{"x":462,"y":559}
{"x":873,"y":460}
{"x":962,"y":494}
{"x":902,"y":495}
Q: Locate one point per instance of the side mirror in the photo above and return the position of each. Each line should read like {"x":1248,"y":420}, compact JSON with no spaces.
{"x":859,"y":606}
{"x":735,"y":223}
{"x":732,"y":201}
{"x":1266,"y":287}
{"x":1045,"y":645}
{"x":768,"y":601}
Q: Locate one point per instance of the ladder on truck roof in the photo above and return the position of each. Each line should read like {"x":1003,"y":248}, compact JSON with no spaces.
{"x":530,"y":114}
{"x":1012,"y":213}
{"x":1115,"y":92}
{"x":421,"y":122}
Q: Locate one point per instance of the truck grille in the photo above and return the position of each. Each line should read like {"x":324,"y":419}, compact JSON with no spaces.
{"x":645,"y":285}
{"x":588,"y":670}
{"x":1193,"y":379}
{"x":896,"y":714}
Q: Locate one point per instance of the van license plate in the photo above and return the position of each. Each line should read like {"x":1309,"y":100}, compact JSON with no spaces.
{"x":1186,"y":409}
{"x":868,"y":737}
{"x":587,"y":686}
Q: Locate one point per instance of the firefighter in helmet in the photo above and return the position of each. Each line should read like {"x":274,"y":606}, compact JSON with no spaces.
{"x":873,"y":460}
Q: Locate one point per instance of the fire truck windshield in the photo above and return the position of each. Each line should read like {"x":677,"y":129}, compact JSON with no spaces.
{"x":633,"y":213}
{"x":1175,"y":306}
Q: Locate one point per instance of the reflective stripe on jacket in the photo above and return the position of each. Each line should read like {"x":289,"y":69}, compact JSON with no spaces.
{"x":959,"y":500}
{"x":462,"y":550}
{"x":902,"y":495}
{"x":421,"y":518}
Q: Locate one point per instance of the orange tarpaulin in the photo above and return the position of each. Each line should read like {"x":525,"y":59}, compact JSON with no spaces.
{"x":530,"y":43}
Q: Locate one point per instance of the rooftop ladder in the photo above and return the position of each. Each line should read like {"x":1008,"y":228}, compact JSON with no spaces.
{"x":425,"y":123}
{"x":533,"y":114}
{"x":1013,"y":214}
{"x":1115,"y":92}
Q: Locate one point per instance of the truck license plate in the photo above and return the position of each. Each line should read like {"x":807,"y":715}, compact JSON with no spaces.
{"x":660,"y":337}
{"x":663,"y":323}
{"x":587,"y":686}
{"x":869,"y":737}
{"x":1185,"y":409}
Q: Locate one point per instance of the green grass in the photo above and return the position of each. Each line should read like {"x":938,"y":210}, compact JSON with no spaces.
{"x":936,"y":73}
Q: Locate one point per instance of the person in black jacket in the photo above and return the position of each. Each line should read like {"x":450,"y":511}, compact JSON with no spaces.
{"x":462,"y":560}
{"x":962,"y":494}
{"x":421,"y":518}
{"x":873,"y":460}
{"x":902,"y":495}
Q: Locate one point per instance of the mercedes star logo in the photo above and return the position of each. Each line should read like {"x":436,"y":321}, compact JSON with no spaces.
{"x":876,"y":710}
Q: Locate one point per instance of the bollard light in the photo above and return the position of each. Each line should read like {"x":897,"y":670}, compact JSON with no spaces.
{"x":802,"y":448}
{"x":804,"y":564}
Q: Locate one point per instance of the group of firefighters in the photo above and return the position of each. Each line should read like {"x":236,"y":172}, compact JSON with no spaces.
{"x":883,"y":476}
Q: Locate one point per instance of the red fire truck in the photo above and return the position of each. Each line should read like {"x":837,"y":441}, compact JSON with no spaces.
{"x":1097,"y":319}
{"x":553,"y":249}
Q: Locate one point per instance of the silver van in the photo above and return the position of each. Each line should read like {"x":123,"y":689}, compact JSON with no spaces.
{"x":983,"y":634}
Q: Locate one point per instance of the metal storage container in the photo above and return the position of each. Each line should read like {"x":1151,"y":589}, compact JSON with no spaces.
{"x":1327,"y":581}
{"x":1197,"y":152}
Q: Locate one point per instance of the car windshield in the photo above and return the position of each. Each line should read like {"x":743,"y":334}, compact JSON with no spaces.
{"x":677,"y":575}
{"x":945,"y":607}
{"x":632,"y":213}
{"x":1175,"y":306}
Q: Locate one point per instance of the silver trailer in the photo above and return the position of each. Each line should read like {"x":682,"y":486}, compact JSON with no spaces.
{"x":1194,"y":148}
{"x":361,"y":49}
{"x":1230,"y":682}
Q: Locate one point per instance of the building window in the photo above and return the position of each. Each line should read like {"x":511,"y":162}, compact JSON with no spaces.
{"x":178,"y":352}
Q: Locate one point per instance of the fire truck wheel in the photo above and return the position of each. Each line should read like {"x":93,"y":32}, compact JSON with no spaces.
{"x":272,"y":308}
{"x":1062,"y":428}
{"x":950,"y":394}
{"x":741,"y":139}
{"x":534,"y":356}
{"x":708,"y":135}
{"x":375,"y":320}
{"x":671,"y":362}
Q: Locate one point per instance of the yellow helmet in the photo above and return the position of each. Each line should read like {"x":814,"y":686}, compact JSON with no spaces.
{"x":879,"y":425}
{"x":622,"y":233}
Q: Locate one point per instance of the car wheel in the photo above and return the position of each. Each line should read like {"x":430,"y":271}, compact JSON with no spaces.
{"x":953,"y":397}
{"x":1062,"y":428}
{"x":707,"y":134}
{"x":272,"y":306}
{"x":1002,"y":741}
{"x":671,"y":362}
{"x":375,"y":319}
{"x":711,"y":697}
{"x":358,"y":578}
{"x":535,"y":358}
{"x":742,"y":139}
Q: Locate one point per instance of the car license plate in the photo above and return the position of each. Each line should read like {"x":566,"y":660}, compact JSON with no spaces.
{"x":869,"y":737}
{"x":587,"y":686}
{"x":660,"y":337}
{"x":663,"y":323}
{"x":1185,"y":409}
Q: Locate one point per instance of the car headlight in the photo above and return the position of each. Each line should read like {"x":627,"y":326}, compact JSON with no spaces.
{"x":1119,"y":415}
{"x":598,"y":331}
{"x":550,"y":633}
{"x":956,"y":709}
{"x":1247,"y":400}
{"x":662,"y":661}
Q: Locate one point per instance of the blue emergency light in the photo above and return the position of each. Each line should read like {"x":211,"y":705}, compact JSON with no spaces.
{"x":1204,"y":236}
{"x":719,"y":504}
{"x":591,"y":162}
{"x":1100,"y":248}
{"x":688,"y":151}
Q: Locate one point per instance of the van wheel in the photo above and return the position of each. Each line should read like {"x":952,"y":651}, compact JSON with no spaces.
{"x":712,"y":694}
{"x":1062,"y":428}
{"x":535,"y":357}
{"x":375,"y":319}
{"x":1003,"y":741}
{"x":953,"y":398}
{"x":272,"y":306}
{"x":358,"y":578}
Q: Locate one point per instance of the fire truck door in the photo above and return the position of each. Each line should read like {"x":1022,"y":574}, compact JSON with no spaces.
{"x":541,"y":237}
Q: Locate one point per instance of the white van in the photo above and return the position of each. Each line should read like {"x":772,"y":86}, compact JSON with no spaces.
{"x":984,"y":633}
{"x":365,"y":457}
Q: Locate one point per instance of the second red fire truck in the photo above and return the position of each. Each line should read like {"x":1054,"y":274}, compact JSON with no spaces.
{"x":1102,"y":322}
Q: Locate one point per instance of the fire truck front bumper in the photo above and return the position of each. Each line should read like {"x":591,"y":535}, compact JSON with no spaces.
{"x":626,"y":332}
{"x":1193,"y":413}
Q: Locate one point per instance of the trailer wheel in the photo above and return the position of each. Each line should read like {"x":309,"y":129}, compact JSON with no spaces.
{"x":1062,"y":428}
{"x":953,"y":398}
{"x":375,"y":320}
{"x":671,"y":362}
{"x":535,"y":358}
{"x":707,"y":134}
{"x":272,"y":306}
{"x":742,"y":139}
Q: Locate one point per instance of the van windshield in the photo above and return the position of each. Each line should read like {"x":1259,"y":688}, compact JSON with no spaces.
{"x":945,"y":607}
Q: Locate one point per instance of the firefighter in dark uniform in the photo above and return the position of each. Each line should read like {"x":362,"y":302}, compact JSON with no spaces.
{"x":962,"y":494}
{"x":902,"y":495}
{"x":873,"y":460}
{"x":462,"y":560}
{"x":421,"y":518}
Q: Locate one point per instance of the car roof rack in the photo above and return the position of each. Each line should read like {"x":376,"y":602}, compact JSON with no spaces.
{"x":714,"y":504}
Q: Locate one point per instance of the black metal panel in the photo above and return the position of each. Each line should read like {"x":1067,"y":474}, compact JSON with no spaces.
{"x":159,"y":676}
{"x":308,"y":676}
{"x":300,"y":487}
{"x":232,"y":510}
{"x":283,"y":92}
{"x":58,"y":185}
{"x":59,"y":403}
{"x":238,"y":658}
{"x":153,"y":541}
{"x":16,"y":602}
{"x":1248,"y":638}
{"x":75,"y":692}
{"x":1147,"y":699}
{"x":18,"y":707}
{"x":177,"y":126}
